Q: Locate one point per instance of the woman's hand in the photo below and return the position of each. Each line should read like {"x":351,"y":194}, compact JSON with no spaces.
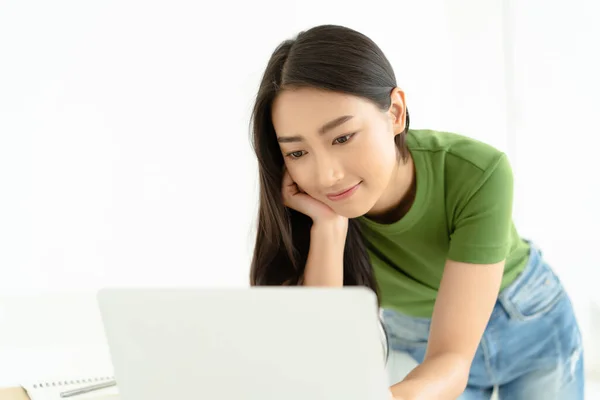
{"x":297,"y":199}
{"x":392,"y":397}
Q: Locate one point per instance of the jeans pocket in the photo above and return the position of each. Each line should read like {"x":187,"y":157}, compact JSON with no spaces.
{"x":535,"y":296}
{"x":400,"y":343}
{"x":414,"y":347}
{"x":407,"y":334}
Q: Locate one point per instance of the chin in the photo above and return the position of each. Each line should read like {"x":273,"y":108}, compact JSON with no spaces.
{"x":353,"y":210}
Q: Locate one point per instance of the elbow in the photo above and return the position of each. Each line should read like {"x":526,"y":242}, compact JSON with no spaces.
{"x":463,"y":382}
{"x":441,"y":376}
{"x":461,"y":373}
{"x":457,"y":373}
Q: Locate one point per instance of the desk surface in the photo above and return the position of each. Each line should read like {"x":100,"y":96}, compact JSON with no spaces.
{"x":18,"y":393}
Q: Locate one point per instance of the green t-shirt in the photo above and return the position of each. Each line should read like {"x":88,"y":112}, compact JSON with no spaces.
{"x":462,"y":211}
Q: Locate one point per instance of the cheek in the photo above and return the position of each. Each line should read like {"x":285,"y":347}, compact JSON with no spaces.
{"x":300,"y":175}
{"x":377,"y":162}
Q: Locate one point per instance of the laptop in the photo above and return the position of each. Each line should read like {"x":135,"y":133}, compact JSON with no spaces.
{"x":259,"y":343}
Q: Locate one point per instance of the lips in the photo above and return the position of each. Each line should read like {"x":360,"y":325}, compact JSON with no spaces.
{"x":344,"y":193}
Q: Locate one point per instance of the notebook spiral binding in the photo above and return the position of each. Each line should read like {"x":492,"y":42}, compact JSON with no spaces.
{"x":40,"y":385}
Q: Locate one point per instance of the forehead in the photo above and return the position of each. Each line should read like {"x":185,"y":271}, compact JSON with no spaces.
{"x":305,"y":110}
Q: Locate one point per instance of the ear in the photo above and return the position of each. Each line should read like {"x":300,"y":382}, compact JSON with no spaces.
{"x":397,"y":110}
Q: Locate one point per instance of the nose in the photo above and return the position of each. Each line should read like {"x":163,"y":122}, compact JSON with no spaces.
{"x":328,"y":171}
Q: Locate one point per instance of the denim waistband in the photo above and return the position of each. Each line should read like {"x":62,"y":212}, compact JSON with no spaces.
{"x":534,"y":263}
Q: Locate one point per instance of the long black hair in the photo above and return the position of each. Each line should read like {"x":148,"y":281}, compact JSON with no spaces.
{"x":327,"y":57}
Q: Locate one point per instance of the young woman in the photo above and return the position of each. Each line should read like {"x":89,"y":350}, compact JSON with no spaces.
{"x":350,"y":196}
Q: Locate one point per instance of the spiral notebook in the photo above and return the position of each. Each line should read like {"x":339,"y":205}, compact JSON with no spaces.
{"x":52,"y":342}
{"x":51,"y":390}
{"x":45,"y":372}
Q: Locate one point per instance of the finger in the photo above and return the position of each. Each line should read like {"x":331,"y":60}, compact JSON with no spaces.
{"x":287,"y":187}
{"x":287,"y":179}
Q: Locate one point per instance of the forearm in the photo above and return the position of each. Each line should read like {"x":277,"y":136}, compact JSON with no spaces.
{"x":325,"y":262}
{"x":439,"y":377}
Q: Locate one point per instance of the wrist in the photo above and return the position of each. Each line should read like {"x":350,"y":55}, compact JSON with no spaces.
{"x":331,"y":229}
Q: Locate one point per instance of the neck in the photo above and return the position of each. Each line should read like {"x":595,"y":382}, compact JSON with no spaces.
{"x":399,"y":195}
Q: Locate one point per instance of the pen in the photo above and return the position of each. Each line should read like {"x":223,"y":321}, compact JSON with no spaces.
{"x":88,"y":389}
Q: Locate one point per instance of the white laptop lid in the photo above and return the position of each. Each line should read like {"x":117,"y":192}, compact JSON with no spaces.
{"x":261,"y":343}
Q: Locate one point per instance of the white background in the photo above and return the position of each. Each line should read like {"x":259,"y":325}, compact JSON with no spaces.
{"x":124,"y":149}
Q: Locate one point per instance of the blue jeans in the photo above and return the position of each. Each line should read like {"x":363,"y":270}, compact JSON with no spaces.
{"x":531,"y":348}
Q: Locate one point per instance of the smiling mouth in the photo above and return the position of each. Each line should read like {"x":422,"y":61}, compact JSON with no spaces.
{"x":344,"y":194}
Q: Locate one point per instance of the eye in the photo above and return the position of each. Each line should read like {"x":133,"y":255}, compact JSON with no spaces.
{"x":343,"y":139}
{"x":296,"y":154}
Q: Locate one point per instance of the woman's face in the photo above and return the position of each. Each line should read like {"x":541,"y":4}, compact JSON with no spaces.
{"x":338,"y":148}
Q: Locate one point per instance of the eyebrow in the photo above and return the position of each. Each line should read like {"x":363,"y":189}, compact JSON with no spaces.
{"x":323,"y":130}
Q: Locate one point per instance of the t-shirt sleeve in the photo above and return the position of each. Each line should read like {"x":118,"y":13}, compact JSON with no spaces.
{"x":481,"y":229}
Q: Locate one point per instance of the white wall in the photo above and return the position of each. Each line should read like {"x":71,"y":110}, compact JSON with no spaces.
{"x":553,"y":103}
{"x":556,"y":64}
{"x":124,"y":151}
